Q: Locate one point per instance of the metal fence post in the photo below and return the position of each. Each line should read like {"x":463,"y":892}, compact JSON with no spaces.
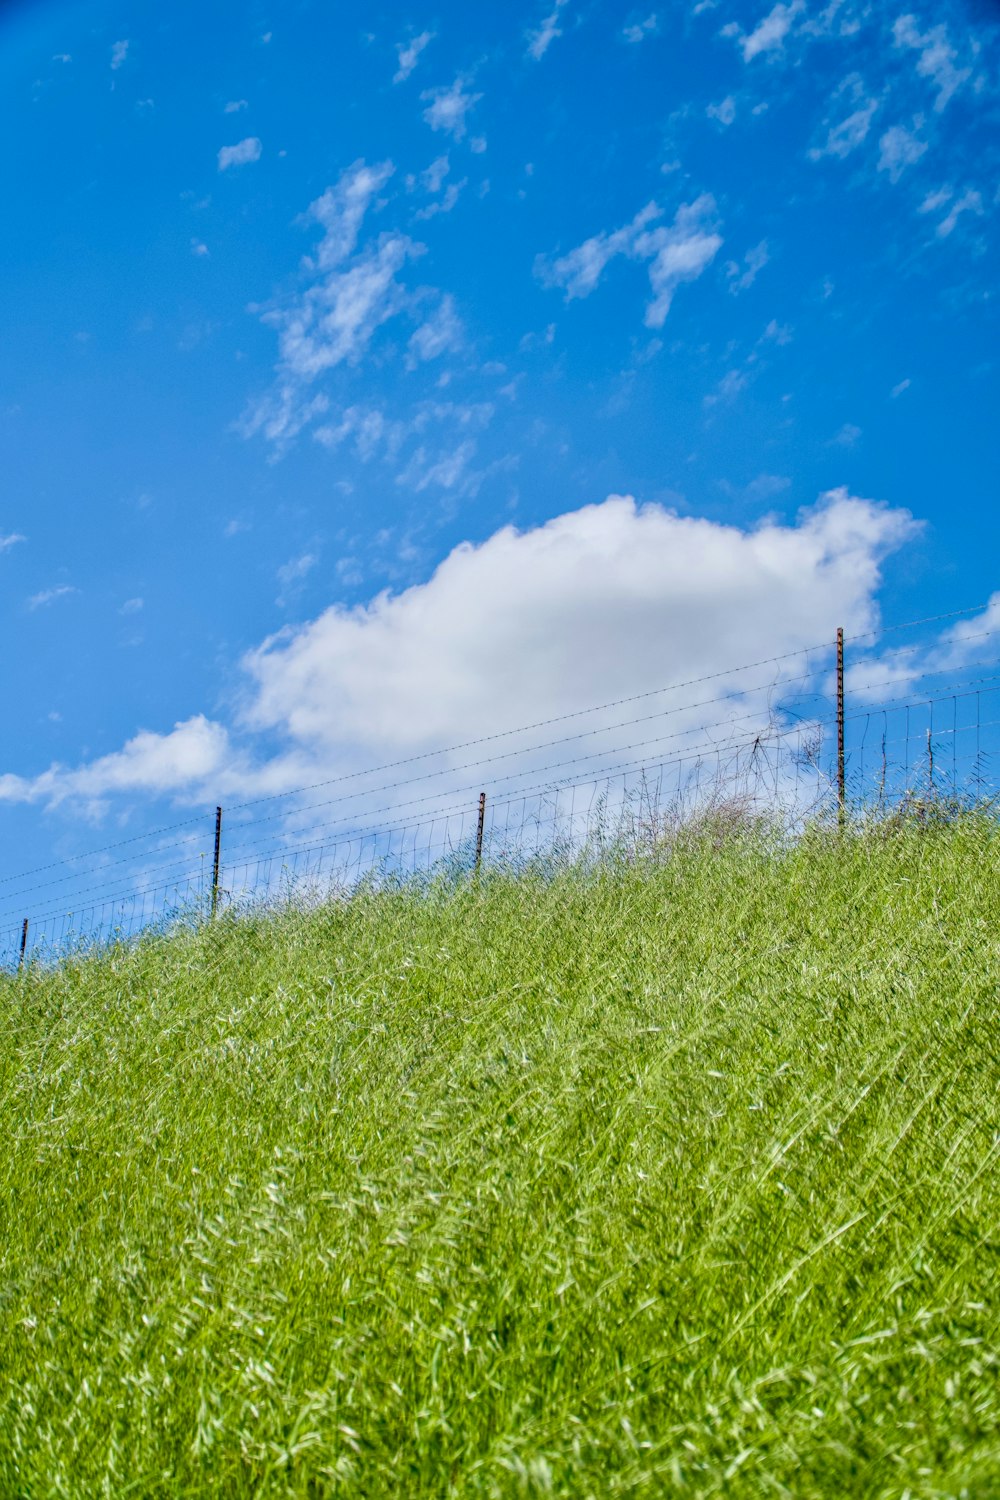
{"x":215,"y":862}
{"x":479,"y":830}
{"x":24,"y":943}
{"x":841,"y":769}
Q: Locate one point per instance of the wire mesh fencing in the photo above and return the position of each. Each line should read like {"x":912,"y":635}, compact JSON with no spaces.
{"x":918,"y":736}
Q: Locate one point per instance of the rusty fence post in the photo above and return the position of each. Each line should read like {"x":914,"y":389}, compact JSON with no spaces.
{"x":215,"y":862}
{"x":479,"y":830}
{"x":841,"y":765}
{"x":24,"y":943}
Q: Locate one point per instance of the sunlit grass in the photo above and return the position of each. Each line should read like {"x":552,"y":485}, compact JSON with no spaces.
{"x":668,"y":1178}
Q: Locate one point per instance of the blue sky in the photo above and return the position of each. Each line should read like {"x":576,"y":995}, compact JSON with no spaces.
{"x":298,"y":301}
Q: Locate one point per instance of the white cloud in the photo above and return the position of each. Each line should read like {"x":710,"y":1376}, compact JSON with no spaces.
{"x":675,"y":253}
{"x":596,"y":604}
{"x":724,"y":112}
{"x":741,"y":277}
{"x":291,"y":574}
{"x":847,"y":436}
{"x":937,"y":60}
{"x":49,"y":596}
{"x":449,"y":469}
{"x":540,"y":41}
{"x":11,"y":540}
{"x":348,"y":290}
{"x":959,"y":645}
{"x":581,"y":269}
{"x":149,"y":763}
{"x":434,"y":176}
{"x":970,"y":202}
{"x":680,"y":252}
{"x":729,"y":387}
{"x":199,"y":248}
{"x":350,"y":294}
{"x":445,"y":203}
{"x":848,"y":134}
{"x":119,"y":52}
{"x":408,"y":54}
{"x":234,"y":106}
{"x":239,"y":155}
{"x":769,"y":34}
{"x":441,"y":333}
{"x":935,"y":200}
{"x":899,"y":149}
{"x":641,"y":29}
{"x":897,"y":390}
{"x":778,"y":333}
{"x":131,"y":607}
{"x":447,"y":108}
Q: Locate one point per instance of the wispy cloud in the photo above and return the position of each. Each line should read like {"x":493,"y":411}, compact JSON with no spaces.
{"x":641,"y":29}
{"x":769,"y":34}
{"x":291,"y":575}
{"x":970,"y":202}
{"x":899,"y":149}
{"x":674,"y":253}
{"x":848,"y":133}
{"x":439,"y":334}
{"x":938,"y":59}
{"x":349,"y":290}
{"x":234,"y":106}
{"x":724,"y":111}
{"x":11,"y":540}
{"x":743,"y":275}
{"x":49,"y":596}
{"x":119,"y":52}
{"x":408,"y":55}
{"x":447,"y":107}
{"x":541,"y":39}
{"x":244,"y":151}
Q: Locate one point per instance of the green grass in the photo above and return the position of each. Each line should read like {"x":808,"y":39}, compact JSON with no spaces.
{"x":667,"y":1180}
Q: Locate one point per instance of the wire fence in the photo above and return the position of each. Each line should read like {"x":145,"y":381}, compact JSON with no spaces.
{"x":909,"y":730}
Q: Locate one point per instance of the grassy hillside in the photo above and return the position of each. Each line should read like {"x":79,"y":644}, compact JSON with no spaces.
{"x":667,"y":1180}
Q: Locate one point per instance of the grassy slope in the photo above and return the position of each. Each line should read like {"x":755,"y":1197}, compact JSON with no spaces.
{"x":676,"y":1181}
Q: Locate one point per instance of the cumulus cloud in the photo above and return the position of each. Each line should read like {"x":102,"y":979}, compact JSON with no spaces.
{"x":154,"y":764}
{"x":540,"y":40}
{"x":408,"y":54}
{"x":448,"y":106}
{"x":937,"y":60}
{"x":674,"y":253}
{"x":244,"y":151}
{"x":613,"y":599}
{"x":899,"y":149}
